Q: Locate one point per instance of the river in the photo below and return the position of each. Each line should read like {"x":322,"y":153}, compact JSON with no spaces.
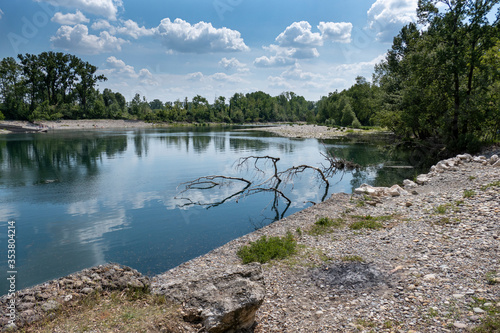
{"x":84,"y":198}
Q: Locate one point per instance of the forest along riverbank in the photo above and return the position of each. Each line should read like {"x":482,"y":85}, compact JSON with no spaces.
{"x":431,"y":264}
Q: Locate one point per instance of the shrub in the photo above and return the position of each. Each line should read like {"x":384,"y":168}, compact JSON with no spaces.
{"x":265,"y":249}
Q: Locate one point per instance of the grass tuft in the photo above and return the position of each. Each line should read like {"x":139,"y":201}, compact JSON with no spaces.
{"x":324,"y":225}
{"x":368,"y":222}
{"x":353,"y":258}
{"x":469,"y":193}
{"x":265,"y":249}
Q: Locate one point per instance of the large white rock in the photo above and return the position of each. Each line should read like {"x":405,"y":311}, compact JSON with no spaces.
{"x":395,"y":191}
{"x":422,"y":179}
{"x":409,"y":183}
{"x":494,"y":159}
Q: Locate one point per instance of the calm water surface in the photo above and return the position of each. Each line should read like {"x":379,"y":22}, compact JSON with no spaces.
{"x":84,"y":198}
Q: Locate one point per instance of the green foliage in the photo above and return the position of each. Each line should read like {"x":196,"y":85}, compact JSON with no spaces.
{"x":265,"y":249}
{"x":325,"y":225}
{"x":368,"y":222}
{"x":487,"y":186}
{"x":352,"y":258}
{"x":441,"y":209}
{"x":442,"y":83}
{"x":469,"y":193}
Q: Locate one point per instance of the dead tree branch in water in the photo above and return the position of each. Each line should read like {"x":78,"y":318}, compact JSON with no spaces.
{"x":273,"y":183}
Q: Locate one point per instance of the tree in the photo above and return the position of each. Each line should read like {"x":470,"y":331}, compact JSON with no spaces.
{"x":433,"y":80}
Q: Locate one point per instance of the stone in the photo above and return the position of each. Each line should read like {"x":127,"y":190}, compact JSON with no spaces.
{"x":422,"y":179}
{"x":496,"y":164}
{"x":478,"y":310}
{"x":395,"y":191}
{"x":409,"y":184}
{"x":223,"y":301}
{"x":459,"y":325}
{"x":50,"y":306}
{"x":494,"y":159}
{"x":429,"y":277}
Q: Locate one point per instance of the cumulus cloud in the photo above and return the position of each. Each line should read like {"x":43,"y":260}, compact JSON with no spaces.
{"x":387,"y":17}
{"x":77,"y":39}
{"x":336,"y":32}
{"x":299,"y":34}
{"x":69,"y":19}
{"x":233,"y":64}
{"x":106,"y":8}
{"x":273,"y":61}
{"x":133,"y":30}
{"x":103,"y":25}
{"x":296,"y":73}
{"x":198,"y":76}
{"x":202,"y":37}
{"x":298,"y":41}
{"x":359,"y":68}
{"x":118,"y":68}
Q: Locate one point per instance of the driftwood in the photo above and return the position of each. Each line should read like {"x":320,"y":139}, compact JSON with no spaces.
{"x":267,"y":182}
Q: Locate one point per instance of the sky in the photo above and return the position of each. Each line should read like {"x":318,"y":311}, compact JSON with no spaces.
{"x":170,"y":50}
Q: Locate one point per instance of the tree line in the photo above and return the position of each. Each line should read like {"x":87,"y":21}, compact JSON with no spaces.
{"x":439,"y":82}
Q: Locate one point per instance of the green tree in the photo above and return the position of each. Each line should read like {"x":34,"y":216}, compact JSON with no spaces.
{"x":433,"y":80}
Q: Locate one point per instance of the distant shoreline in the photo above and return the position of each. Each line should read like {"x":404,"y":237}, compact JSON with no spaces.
{"x":299,"y":130}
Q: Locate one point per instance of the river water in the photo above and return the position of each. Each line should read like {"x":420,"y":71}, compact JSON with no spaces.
{"x":84,"y":198}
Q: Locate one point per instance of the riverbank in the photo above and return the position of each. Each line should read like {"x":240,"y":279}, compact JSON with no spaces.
{"x":286,"y":130}
{"x":433,"y":266}
{"x":316,"y":131}
{"x":84,"y":124}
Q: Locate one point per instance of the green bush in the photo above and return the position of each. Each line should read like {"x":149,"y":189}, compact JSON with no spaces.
{"x":265,"y":249}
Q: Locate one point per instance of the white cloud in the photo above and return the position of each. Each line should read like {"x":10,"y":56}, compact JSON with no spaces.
{"x":364,"y":68}
{"x":77,"y":39}
{"x":273,"y":61}
{"x":103,"y":25}
{"x":133,"y":30}
{"x":299,"y":42}
{"x":106,"y":8}
{"x":201,"y":37}
{"x":337,"y":32}
{"x":233,"y":64}
{"x":198,"y":76}
{"x":223,"y":77}
{"x":119,"y":68}
{"x":1,"y":14}
{"x":279,"y":82}
{"x":69,"y":19}
{"x":304,"y":53}
{"x":296,"y":73}
{"x":299,"y":34}
{"x":387,"y":17}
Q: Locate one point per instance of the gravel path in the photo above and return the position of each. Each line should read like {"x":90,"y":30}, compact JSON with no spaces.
{"x":432,"y":267}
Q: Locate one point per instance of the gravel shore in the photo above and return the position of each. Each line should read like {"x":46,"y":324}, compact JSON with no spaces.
{"x":80,"y":124}
{"x":432,"y":267}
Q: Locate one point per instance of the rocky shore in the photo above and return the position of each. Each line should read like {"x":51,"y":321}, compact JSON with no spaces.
{"x":433,"y":266}
{"x":429,"y":263}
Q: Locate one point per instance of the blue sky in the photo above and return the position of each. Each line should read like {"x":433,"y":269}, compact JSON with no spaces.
{"x":175,"y":49}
